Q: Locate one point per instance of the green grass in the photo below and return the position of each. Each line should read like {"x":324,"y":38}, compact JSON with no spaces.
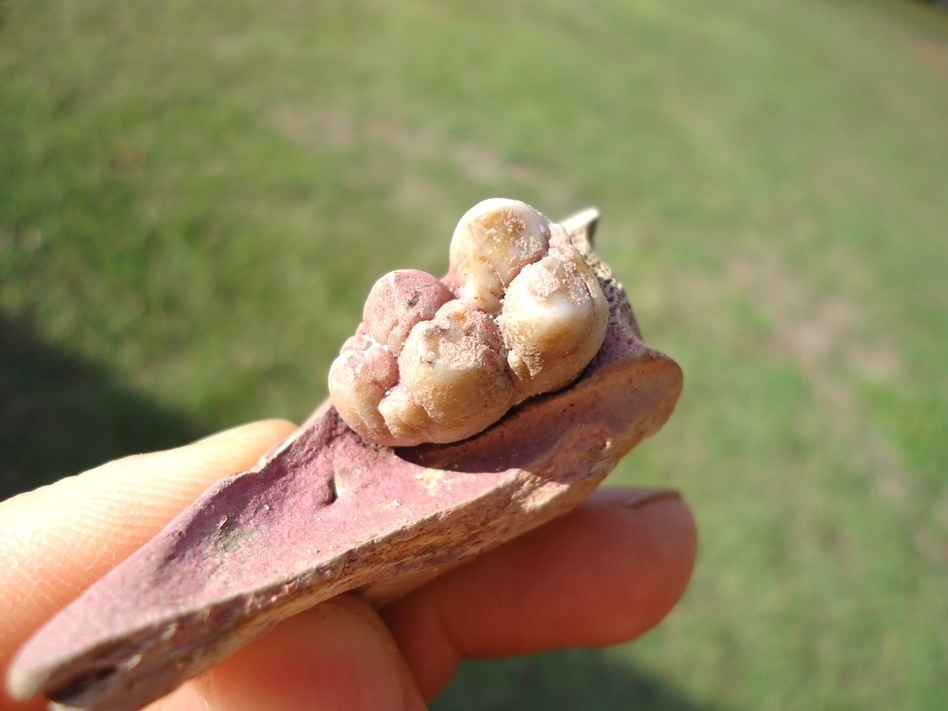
{"x":194,"y":199}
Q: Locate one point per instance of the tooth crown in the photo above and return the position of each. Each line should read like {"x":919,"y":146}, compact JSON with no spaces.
{"x":519,"y":313}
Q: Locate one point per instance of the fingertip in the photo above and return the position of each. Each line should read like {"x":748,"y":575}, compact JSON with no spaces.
{"x":657,"y":539}
{"x":338,"y":656}
{"x":252,"y":432}
{"x":604,"y":573}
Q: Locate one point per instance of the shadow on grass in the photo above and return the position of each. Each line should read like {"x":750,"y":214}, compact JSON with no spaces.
{"x":60,"y":415}
{"x":591,"y":680}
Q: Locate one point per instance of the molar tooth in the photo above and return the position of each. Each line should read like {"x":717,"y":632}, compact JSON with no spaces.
{"x":398,"y":301}
{"x":359,"y":342}
{"x":358,"y":380}
{"x":551,"y":322}
{"x":454,"y":369}
{"x":493,"y":241}
{"x":519,"y":313}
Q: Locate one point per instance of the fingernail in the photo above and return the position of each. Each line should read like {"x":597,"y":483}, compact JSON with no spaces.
{"x":636,"y":497}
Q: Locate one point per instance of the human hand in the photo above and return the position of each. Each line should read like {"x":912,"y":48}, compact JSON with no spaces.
{"x":602,"y":574}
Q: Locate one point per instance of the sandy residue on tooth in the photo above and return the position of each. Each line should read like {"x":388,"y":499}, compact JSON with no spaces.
{"x":519,"y":313}
{"x":493,"y":241}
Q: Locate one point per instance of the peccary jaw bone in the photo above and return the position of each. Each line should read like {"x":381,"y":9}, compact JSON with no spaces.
{"x":325,"y":512}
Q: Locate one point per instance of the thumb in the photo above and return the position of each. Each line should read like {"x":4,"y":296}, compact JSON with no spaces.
{"x":337,"y":656}
{"x":59,"y":539}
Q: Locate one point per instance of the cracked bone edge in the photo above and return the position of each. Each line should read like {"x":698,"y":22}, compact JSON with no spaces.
{"x":519,"y":313}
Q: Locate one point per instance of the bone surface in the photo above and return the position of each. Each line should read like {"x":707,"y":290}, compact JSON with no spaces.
{"x":326,"y":511}
{"x":519,"y":313}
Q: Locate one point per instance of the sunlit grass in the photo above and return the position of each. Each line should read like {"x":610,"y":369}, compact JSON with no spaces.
{"x":194,"y":199}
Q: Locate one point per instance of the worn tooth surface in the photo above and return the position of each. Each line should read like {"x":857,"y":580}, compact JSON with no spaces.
{"x":518,"y":314}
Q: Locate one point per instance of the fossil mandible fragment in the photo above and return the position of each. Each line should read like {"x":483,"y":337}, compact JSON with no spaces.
{"x":519,"y":313}
{"x":327,"y":511}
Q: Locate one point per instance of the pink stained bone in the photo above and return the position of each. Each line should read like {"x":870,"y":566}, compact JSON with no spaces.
{"x":327,"y":512}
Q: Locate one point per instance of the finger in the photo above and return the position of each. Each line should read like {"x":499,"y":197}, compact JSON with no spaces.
{"x":602,"y":574}
{"x":337,"y":656}
{"x":59,"y":539}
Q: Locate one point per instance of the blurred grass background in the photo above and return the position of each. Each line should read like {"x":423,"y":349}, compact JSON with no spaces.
{"x":196,"y":197}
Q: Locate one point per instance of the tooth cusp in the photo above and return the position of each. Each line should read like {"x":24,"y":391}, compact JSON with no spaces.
{"x":494,"y":240}
{"x":519,"y":313}
{"x":551,"y":321}
{"x":360,"y":380}
{"x":398,"y":301}
{"x":454,"y":368}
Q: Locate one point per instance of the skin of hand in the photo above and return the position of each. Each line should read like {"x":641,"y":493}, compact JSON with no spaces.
{"x":602,"y":574}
